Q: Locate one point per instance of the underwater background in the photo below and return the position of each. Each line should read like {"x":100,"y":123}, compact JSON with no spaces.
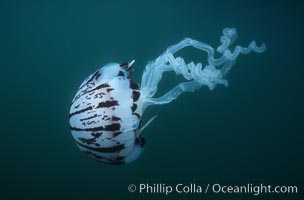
{"x":249,"y":132}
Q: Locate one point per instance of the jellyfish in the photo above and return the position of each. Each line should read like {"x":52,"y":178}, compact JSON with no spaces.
{"x":106,"y":112}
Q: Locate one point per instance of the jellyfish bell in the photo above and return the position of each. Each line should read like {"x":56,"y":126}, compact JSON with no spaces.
{"x":106,"y":112}
{"x":102,"y":115}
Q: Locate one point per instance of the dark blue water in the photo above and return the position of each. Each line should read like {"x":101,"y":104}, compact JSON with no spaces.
{"x":250,"y":132}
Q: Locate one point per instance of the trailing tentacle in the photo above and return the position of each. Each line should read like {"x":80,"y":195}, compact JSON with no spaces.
{"x":211,"y":75}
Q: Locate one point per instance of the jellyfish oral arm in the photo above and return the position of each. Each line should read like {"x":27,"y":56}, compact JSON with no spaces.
{"x":211,"y":75}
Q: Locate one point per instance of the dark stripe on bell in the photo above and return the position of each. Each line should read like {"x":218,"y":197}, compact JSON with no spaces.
{"x":95,"y":75}
{"x":135,"y":95}
{"x":112,"y":127}
{"x":134,"y":106}
{"x":137,"y":115}
{"x":116,"y":133}
{"x":96,"y":135}
{"x":81,"y":111}
{"x":104,"y":85}
{"x":94,"y":129}
{"x":107,"y":104}
{"x":114,"y":118}
{"x":88,"y":141}
{"x":120,"y":73}
{"x":134,"y":86}
{"x":112,"y":149}
{"x":109,"y":89}
{"x":91,"y":117}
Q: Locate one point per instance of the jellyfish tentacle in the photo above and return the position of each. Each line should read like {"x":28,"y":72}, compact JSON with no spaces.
{"x":211,"y":75}
{"x":189,"y":86}
{"x":190,"y":42}
{"x":151,"y":77}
